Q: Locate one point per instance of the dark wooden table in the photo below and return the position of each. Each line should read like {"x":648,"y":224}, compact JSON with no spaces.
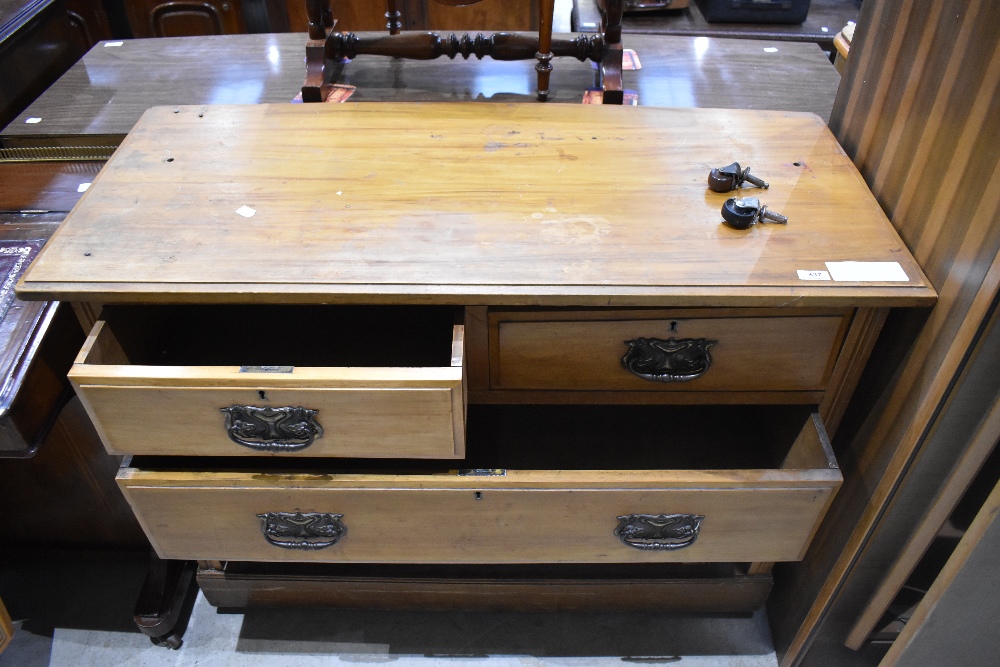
{"x":37,"y":44}
{"x":101,"y":97}
{"x":52,"y":462}
{"x":826,"y":18}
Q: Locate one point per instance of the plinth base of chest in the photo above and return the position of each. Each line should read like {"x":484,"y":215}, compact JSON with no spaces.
{"x":702,"y":588}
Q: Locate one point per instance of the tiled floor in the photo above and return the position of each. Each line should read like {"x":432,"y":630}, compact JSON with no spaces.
{"x":75,"y":612}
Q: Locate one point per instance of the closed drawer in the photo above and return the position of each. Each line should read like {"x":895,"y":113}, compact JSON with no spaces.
{"x":523,"y":516}
{"x":720,"y":350}
{"x":148,"y":389}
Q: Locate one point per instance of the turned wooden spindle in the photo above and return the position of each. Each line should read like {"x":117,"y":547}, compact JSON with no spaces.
{"x":320,"y":18}
{"x":429,"y":45}
{"x":326,"y":44}
{"x":544,"y":53}
{"x":393,"y":17}
{"x":611,"y":61}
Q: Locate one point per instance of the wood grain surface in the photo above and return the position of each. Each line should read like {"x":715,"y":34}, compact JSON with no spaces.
{"x":506,"y":203}
{"x":413,"y":519}
{"x":107,"y":99}
{"x":578,"y":352}
{"x":917,"y":112}
{"x":720,"y":589}
{"x":6,"y":627}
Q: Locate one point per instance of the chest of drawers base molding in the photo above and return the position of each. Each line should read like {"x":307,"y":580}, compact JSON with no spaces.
{"x":721,"y":587}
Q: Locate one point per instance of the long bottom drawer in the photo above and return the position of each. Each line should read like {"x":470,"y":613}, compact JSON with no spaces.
{"x":522,"y":516}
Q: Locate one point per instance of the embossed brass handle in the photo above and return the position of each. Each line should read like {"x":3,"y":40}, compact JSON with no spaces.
{"x":671,"y":360}
{"x":302,"y":530}
{"x":270,"y":429}
{"x":659,"y":532}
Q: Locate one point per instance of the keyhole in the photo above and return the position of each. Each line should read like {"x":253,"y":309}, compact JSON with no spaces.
{"x":262,"y":395}
{"x":673,"y":327}
{"x":479,"y":495}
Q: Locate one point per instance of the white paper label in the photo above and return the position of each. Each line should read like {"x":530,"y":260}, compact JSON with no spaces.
{"x":33,"y":120}
{"x":107,"y":44}
{"x":813,"y":275}
{"x":245,"y":211}
{"x":869,"y":272}
{"x":770,"y":49}
{"x":82,"y":187}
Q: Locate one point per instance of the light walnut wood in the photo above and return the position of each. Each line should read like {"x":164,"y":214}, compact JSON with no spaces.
{"x":527,"y":516}
{"x":6,"y":627}
{"x":471,"y":219}
{"x":858,"y":345}
{"x":760,"y":568}
{"x":477,"y":343}
{"x":766,"y":352}
{"x":918,"y":121}
{"x":524,"y":516}
{"x":365,"y":412}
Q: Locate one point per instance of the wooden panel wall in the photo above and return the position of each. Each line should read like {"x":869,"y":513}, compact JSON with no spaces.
{"x":917,"y":110}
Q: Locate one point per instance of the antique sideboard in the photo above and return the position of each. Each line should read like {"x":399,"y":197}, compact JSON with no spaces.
{"x":444,"y":355}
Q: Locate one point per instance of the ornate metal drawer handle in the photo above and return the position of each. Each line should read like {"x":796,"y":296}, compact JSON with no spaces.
{"x":270,"y":429}
{"x":659,"y":532}
{"x":298,"y":530}
{"x":671,"y":360}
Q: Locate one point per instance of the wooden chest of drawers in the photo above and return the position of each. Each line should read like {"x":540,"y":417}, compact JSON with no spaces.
{"x":483,"y":336}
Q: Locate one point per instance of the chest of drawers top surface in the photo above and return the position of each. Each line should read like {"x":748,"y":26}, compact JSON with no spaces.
{"x":447,"y":203}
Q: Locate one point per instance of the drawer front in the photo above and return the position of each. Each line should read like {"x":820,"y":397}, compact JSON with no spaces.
{"x":555,"y":518}
{"x":353,"y":412}
{"x":709,"y":351}
{"x":422,"y":422}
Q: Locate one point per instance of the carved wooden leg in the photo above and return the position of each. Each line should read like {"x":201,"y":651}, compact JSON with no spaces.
{"x":320,"y":18}
{"x":314,"y":88}
{"x":611,"y":63}
{"x":393,"y":17}
{"x":164,"y":605}
{"x":544,"y":67}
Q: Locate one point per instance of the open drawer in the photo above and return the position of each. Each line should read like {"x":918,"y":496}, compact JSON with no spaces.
{"x":307,"y":381}
{"x":646,"y":506}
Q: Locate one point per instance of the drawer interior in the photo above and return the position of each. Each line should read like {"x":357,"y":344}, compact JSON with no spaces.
{"x":595,"y":437}
{"x":269,"y":335}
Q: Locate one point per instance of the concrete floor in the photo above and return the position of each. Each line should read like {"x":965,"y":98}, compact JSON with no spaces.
{"x":74,"y":610}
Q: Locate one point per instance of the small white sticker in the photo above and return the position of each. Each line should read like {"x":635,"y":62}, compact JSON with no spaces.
{"x":33,"y":120}
{"x":82,"y":187}
{"x":813,"y":275}
{"x":245,"y":211}
{"x":869,"y":272}
{"x":107,"y":44}
{"x":825,"y":29}
{"x":340,"y":192}
{"x":770,"y":49}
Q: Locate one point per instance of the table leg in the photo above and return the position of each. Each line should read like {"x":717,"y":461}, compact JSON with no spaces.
{"x":165,"y":602}
{"x":544,"y":67}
